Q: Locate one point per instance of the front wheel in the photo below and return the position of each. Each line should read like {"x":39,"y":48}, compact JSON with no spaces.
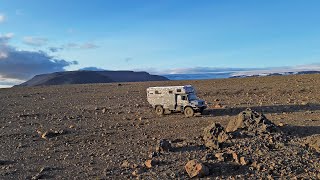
{"x":188,"y":111}
{"x":201,"y":110}
{"x":159,"y":110}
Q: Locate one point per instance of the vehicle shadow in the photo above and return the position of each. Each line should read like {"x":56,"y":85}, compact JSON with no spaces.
{"x":263,"y":109}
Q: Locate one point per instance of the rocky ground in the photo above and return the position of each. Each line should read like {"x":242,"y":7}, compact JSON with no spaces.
{"x":109,"y":131}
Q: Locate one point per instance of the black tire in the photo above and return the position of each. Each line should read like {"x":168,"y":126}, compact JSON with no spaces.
{"x":159,"y":110}
{"x":201,"y":110}
{"x":188,"y":112}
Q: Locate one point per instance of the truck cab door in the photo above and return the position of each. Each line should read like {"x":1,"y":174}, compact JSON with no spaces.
{"x":181,"y":99}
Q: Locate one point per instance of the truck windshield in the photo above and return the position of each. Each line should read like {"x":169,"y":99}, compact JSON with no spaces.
{"x":192,"y":97}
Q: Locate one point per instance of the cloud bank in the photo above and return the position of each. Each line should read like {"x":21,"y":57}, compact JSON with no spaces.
{"x":265,"y":71}
{"x":23,"y":65}
{"x":70,"y":46}
{"x":87,"y":45}
{"x":18,"y":65}
{"x":234,"y":71}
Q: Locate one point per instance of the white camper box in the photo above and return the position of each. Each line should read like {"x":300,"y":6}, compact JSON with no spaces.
{"x":174,"y":98}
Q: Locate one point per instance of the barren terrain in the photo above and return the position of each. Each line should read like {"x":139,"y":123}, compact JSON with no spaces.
{"x":108,"y":131}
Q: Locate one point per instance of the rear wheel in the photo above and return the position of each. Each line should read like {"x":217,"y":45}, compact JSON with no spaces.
{"x":159,"y":110}
{"x":188,"y":111}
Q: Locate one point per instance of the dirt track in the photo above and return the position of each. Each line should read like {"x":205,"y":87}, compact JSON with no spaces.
{"x":96,"y":128}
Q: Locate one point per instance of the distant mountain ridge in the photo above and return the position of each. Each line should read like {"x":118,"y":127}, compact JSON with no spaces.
{"x":88,"y":77}
{"x":219,"y":75}
{"x":277,"y":74}
{"x":198,"y":76}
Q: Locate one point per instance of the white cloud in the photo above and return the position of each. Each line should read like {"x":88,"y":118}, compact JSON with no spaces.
{"x":197,"y":70}
{"x":4,"y":38}
{"x":5,"y":86}
{"x":70,"y":46}
{"x":35,"y":41}
{"x":87,"y":45}
{"x":9,"y":82}
{"x":2,"y":18}
{"x":3,"y":55}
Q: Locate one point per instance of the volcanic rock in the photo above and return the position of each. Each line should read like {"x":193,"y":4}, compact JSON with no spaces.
{"x":50,"y":134}
{"x":163,"y":145}
{"x":251,"y":122}
{"x":195,"y":168}
{"x":125,"y":164}
{"x":138,"y":171}
{"x":150,"y":163}
{"x":214,"y":135}
{"x":243,"y":161}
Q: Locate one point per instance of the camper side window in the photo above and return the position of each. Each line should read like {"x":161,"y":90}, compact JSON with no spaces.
{"x":170,"y":92}
{"x":178,"y":90}
{"x":183,"y":98}
{"x":157,"y":92}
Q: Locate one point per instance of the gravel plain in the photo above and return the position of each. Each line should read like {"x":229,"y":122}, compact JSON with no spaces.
{"x":109,"y":131}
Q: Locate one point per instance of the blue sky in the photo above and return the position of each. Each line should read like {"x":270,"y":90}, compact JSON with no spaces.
{"x":167,"y":34}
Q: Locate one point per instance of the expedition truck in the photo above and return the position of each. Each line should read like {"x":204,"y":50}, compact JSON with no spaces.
{"x":169,"y":99}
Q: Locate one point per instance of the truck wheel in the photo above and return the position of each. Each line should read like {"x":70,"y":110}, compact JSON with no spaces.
{"x":201,"y":110}
{"x":188,"y":111}
{"x":159,"y":110}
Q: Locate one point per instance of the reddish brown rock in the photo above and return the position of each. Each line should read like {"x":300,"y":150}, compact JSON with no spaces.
{"x":219,"y":156}
{"x":150,"y":163}
{"x":125,"y":164}
{"x":196,"y":169}
{"x":235,"y":157}
{"x":243,"y":161}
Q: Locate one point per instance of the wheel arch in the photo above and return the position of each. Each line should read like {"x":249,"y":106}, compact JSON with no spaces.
{"x":187,"y":106}
{"x":155,"y":106}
